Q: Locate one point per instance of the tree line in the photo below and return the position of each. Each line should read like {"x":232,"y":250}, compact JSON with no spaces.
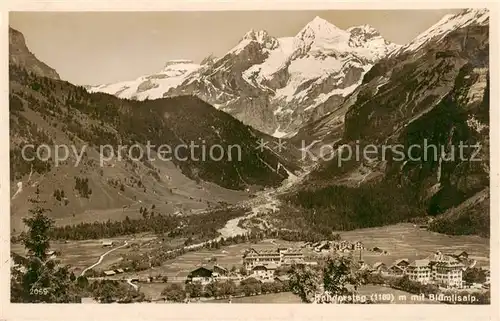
{"x":97,"y":230}
{"x":198,"y":228}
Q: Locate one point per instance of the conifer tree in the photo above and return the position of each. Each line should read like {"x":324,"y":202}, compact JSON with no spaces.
{"x":42,"y":279}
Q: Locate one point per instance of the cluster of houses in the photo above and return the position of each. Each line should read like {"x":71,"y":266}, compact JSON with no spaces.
{"x":212,"y":272}
{"x":259,"y":264}
{"x":336,"y":246}
{"x":442,"y":269}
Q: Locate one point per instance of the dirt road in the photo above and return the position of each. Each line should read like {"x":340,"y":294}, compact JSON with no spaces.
{"x":102,"y":257}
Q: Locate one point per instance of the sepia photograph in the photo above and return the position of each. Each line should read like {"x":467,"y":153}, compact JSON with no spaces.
{"x":257,"y":157}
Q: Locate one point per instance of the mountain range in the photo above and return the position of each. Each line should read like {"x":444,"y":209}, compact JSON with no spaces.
{"x":272,"y":84}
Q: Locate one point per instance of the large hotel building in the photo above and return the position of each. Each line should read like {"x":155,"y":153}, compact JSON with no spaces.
{"x":275,"y":257}
{"x":438,"y":269}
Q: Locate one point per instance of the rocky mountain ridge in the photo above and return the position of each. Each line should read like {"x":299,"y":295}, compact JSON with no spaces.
{"x":20,"y":55}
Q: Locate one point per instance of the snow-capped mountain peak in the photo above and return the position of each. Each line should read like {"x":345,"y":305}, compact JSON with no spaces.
{"x":320,"y":26}
{"x":262,"y":37}
{"x":319,"y":30}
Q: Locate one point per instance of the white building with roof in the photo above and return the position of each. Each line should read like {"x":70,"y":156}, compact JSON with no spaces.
{"x":264,"y":272}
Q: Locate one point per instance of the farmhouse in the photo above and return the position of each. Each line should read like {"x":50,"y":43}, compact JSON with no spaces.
{"x":264,"y":272}
{"x":314,"y":245}
{"x":107,"y":243}
{"x":201,"y":274}
{"x":51,"y":254}
{"x":463,"y":257}
{"x":206,"y":274}
{"x":109,"y":273}
{"x":399,"y":267}
{"x":396,"y":270}
{"x":460,"y":255}
{"x":145,"y":279}
{"x":219,"y":270}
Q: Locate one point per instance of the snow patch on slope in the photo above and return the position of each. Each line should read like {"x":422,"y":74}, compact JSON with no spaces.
{"x":344,"y":92}
{"x":276,"y":60}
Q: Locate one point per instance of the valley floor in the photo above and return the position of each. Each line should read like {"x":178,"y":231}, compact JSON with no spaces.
{"x":400,"y":241}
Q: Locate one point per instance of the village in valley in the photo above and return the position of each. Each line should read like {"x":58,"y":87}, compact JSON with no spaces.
{"x":268,"y":266}
{"x":260,"y":270}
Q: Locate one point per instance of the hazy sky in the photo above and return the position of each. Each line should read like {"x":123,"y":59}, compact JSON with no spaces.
{"x":104,"y":47}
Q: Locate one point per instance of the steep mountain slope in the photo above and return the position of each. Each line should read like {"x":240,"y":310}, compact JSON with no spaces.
{"x":46,"y":111}
{"x":21,"y":56}
{"x":414,"y":110}
{"x":274,"y":84}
